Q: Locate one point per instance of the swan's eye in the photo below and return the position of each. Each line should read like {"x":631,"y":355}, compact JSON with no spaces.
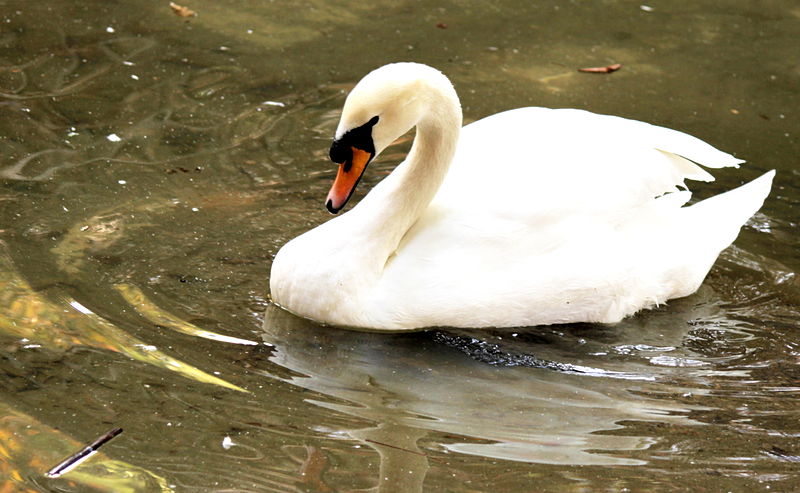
{"x":359,"y":137}
{"x":340,"y":152}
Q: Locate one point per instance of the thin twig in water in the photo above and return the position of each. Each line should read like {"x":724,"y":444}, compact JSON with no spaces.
{"x":423,"y":454}
{"x":77,"y":458}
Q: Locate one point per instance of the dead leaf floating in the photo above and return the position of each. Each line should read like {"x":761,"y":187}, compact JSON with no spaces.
{"x":601,"y":70}
{"x":182,"y":11}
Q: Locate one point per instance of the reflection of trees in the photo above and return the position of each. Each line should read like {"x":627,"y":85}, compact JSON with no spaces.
{"x":59,"y":325}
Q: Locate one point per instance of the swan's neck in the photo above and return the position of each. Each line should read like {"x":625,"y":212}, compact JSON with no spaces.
{"x":389,"y":211}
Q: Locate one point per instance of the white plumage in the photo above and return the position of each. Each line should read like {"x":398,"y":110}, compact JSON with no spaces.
{"x":530,"y":216}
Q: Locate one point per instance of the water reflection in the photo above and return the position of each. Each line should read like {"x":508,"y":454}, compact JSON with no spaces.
{"x":66,"y":323}
{"x":411,"y":387}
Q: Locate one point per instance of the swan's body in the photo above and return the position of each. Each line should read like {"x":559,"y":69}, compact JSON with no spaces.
{"x":531,"y":216}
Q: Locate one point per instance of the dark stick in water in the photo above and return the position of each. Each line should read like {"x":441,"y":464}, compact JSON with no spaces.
{"x":75,"y":459}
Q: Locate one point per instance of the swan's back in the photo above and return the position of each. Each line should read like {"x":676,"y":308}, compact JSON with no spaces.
{"x":553,"y":216}
{"x":574,"y":159}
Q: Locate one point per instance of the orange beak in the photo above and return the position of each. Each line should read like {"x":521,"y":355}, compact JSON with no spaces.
{"x":346,"y":179}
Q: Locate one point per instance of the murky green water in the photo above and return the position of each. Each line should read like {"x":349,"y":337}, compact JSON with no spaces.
{"x":151,"y":168}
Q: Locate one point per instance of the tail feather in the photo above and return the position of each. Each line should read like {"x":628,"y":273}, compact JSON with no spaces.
{"x":704,"y":230}
{"x":721,"y":217}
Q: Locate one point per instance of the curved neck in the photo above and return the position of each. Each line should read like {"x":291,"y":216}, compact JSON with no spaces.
{"x":395,"y":204}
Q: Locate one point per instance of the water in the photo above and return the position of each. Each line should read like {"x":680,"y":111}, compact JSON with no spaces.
{"x":151,"y":167}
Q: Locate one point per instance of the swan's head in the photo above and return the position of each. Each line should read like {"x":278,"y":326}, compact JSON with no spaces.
{"x":384,"y":105}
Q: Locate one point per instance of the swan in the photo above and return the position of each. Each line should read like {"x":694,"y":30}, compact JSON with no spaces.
{"x":531,"y":216}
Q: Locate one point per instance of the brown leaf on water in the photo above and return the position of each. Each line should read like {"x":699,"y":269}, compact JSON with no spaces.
{"x":182,"y":11}
{"x":601,"y":70}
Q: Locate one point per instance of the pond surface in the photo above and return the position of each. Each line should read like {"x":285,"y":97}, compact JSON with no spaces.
{"x":152,"y":166}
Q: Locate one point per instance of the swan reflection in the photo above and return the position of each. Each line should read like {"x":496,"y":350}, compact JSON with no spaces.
{"x":427,"y":399}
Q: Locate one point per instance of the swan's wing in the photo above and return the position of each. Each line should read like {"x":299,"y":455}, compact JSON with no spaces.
{"x":556,"y":216}
{"x":481,"y":271}
{"x":534,"y":159}
{"x":486,"y":270}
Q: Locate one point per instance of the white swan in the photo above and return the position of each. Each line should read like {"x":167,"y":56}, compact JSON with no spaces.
{"x":530,"y":216}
